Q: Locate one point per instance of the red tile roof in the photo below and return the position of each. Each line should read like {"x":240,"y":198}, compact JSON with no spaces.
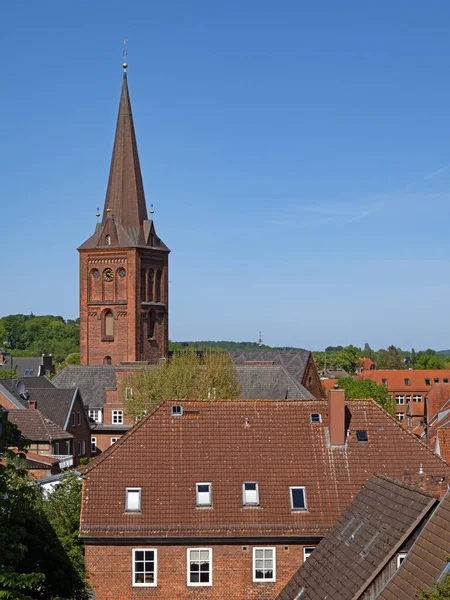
{"x":35,"y":426}
{"x":229,"y":442}
{"x":366,"y":363}
{"x":396,"y":378}
{"x":436,"y":398}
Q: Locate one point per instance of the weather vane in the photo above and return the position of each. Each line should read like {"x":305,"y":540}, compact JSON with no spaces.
{"x":97,"y":214}
{"x":152,"y":210}
{"x":125,"y":53}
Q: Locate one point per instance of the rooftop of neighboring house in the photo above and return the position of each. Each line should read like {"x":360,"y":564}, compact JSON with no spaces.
{"x":92,"y":381}
{"x":305,"y":478}
{"x":436,"y":398}
{"x":333,"y":373}
{"x":295,"y":363}
{"x":267,"y":381}
{"x":372,"y":530}
{"x":407,"y":380}
{"x":55,"y":403}
{"x":25,"y":366}
{"x":427,"y":560}
{"x":365,"y":363}
{"x":35,"y":426}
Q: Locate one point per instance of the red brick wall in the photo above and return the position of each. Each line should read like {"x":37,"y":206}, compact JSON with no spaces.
{"x":110,"y":570}
{"x":311,"y":380}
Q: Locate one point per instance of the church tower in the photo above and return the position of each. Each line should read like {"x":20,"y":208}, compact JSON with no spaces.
{"x":124,"y":265}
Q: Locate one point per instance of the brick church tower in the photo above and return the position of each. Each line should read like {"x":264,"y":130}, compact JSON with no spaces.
{"x":124,"y":266}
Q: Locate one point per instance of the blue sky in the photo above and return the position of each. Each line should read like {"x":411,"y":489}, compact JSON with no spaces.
{"x":297,"y":154}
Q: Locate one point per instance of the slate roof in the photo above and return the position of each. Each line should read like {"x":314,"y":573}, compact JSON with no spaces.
{"x":345,"y":562}
{"x":295,"y":363}
{"x":426,"y":559}
{"x":21,"y":364}
{"x":269,"y":383}
{"x":36,"y":427}
{"x":271,"y":442}
{"x":92,"y":381}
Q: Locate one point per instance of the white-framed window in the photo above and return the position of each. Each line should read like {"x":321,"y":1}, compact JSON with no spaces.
{"x":79,"y":418}
{"x":79,"y":448}
{"x":400,"y":558}
{"x":114,"y":440}
{"x":427,"y":381}
{"x":117,"y":417}
{"x":408,"y":399}
{"x":93,"y":445}
{"x":400,"y":399}
{"x":57,"y":448}
{"x":133,"y":499}
{"x":400,"y":417}
{"x":204,"y":494}
{"x":298,"y":497}
{"x":264,"y":564}
{"x":83,"y":447}
{"x":145,"y":562}
{"x":212,"y":393}
{"x":307,"y":551}
{"x":417,"y":398}
{"x":384,"y":381}
{"x":250,"y":493}
{"x":128,"y":393}
{"x":199,"y":566}
{"x":95,"y":414}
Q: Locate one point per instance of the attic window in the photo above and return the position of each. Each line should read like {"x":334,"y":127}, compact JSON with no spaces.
{"x":250,"y":494}
{"x":445,"y":380}
{"x":407,"y":381}
{"x":298,"y":497}
{"x":427,"y":381}
{"x":204,"y":494}
{"x":384,"y":381}
{"x":400,"y":558}
{"x":361,"y":435}
{"x":108,"y":240}
{"x":26,"y":372}
{"x":177,"y":411}
{"x":133,"y":499}
{"x":315,"y":418}
{"x":436,"y":380}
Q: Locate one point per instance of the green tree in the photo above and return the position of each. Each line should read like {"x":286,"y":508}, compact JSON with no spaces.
{"x":391,"y":358}
{"x":187,"y":375}
{"x":441,"y":592}
{"x":429,"y":360}
{"x":347,"y":358}
{"x":363,"y":389}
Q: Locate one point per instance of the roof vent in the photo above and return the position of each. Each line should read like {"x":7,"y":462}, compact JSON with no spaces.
{"x":177,"y":411}
{"x":361,"y":436}
{"x":315,"y":418}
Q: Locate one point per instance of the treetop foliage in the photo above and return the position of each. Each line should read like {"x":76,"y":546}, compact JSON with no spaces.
{"x":363,"y":389}
{"x":187,"y":375}
{"x":441,"y":591}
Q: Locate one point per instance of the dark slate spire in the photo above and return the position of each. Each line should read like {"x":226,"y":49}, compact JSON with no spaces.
{"x":125,"y":194}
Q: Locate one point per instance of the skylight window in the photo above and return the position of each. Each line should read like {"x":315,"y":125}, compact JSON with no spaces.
{"x":445,"y":380}
{"x":203,"y":494}
{"x":384,"y":381}
{"x":436,"y":380}
{"x":250,"y":493}
{"x":298,"y":498}
{"x":361,"y":435}
{"x":315,"y":418}
{"x":177,"y":411}
{"x":407,"y":381}
{"x":427,"y":381}
{"x":133,"y":499}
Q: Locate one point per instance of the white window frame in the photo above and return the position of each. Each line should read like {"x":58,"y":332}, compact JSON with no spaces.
{"x":274,"y":557}
{"x":128,"y":393}
{"x":400,"y":558}
{"x":95,"y":414}
{"x":128,"y":492}
{"x":117,"y":417}
{"x":79,"y":448}
{"x":83,"y":447}
{"x":57,"y":448}
{"x":155,"y":571}
{"x":291,"y":496}
{"x":245,"y":502}
{"x":207,"y":504}
{"x":307,"y":551}
{"x":210,"y":571}
{"x":417,"y":398}
{"x":400,"y":417}
{"x":93,"y":445}
{"x":399,"y":399}
{"x":114,"y":440}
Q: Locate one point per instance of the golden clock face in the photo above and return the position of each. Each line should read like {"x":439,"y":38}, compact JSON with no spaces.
{"x":108,"y":275}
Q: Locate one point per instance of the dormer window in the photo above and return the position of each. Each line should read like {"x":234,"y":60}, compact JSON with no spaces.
{"x":315,"y":418}
{"x":427,"y":381}
{"x":298,"y":498}
{"x":384,"y":381}
{"x":203,"y":494}
{"x":250,"y":493}
{"x":133,"y":500}
{"x":177,"y":411}
{"x":108,"y":240}
{"x":407,"y":381}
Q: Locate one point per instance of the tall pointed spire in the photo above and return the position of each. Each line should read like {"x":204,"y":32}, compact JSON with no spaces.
{"x":125,"y":197}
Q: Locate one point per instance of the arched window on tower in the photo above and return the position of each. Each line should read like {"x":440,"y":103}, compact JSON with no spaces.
{"x":108,"y":240}
{"x":151,"y":325}
{"x":158,"y":286}
{"x":107,"y":360}
{"x":108,"y":325}
{"x":151,"y":276}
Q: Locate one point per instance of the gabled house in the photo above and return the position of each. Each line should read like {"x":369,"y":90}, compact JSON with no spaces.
{"x":299,"y":365}
{"x":63,"y":407}
{"x":25,"y":366}
{"x":366,"y":545}
{"x":197,"y":491}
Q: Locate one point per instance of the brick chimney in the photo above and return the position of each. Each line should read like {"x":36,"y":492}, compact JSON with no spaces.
{"x":336,"y":416}
{"x":32,"y":404}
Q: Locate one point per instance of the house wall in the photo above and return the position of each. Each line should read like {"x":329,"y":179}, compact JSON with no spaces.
{"x":81,"y":433}
{"x":6,"y":403}
{"x":110,"y":569}
{"x":311,"y":380}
